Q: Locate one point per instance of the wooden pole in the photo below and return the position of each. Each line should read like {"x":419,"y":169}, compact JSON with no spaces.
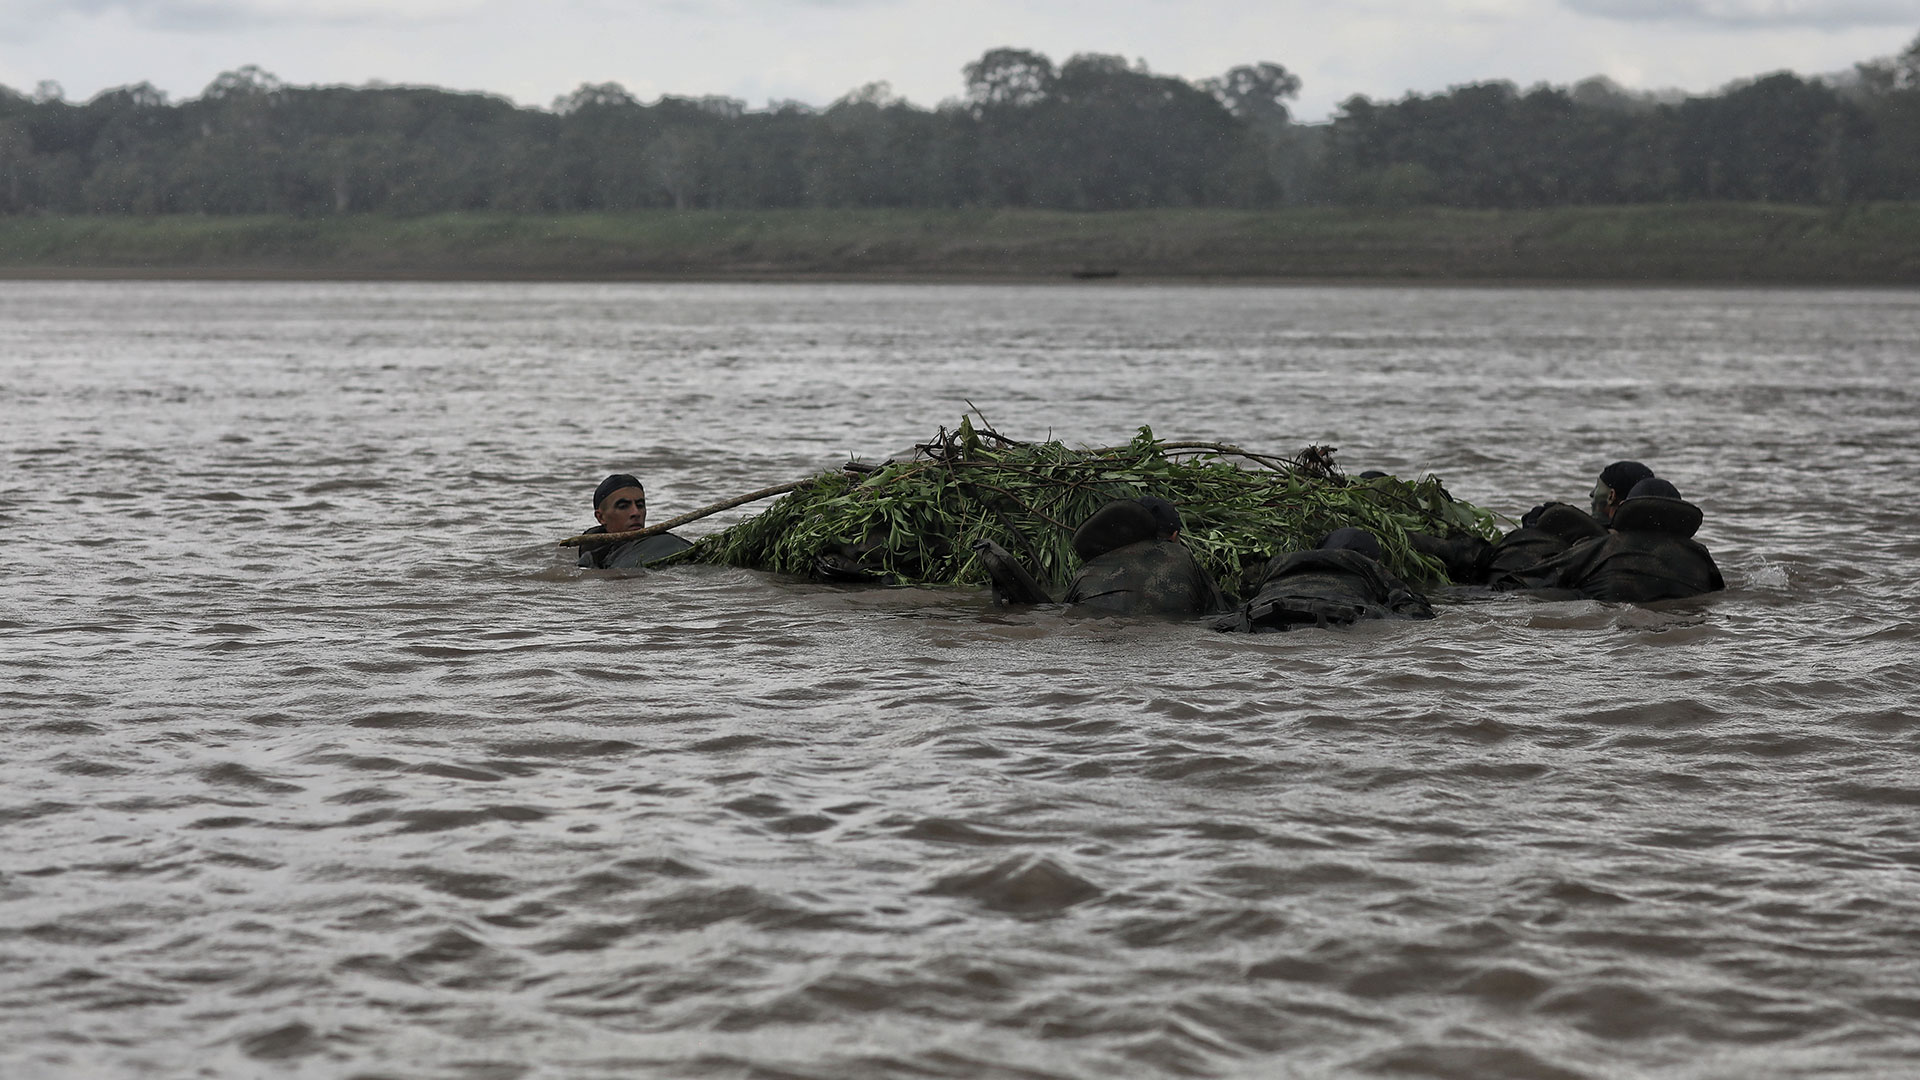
{"x":1271,"y":461}
{"x":596,"y":539}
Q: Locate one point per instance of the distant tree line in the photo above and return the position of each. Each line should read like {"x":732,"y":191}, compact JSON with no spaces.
{"x":1093,"y":133}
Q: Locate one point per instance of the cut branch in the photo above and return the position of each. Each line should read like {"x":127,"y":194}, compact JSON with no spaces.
{"x":597,"y":539}
{"x":1278,"y":464}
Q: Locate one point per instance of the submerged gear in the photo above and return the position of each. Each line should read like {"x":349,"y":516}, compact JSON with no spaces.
{"x":1545,"y":533}
{"x":628,"y":554}
{"x":1149,"y":577}
{"x":1011,"y":582}
{"x":1325,"y":587}
{"x":1649,"y":554}
{"x":1135,"y":567}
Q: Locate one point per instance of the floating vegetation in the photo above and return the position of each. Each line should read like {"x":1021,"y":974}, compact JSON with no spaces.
{"x":915,"y":521}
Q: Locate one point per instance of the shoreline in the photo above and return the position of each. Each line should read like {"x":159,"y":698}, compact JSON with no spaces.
{"x":292,"y":276}
{"x":1718,"y":244}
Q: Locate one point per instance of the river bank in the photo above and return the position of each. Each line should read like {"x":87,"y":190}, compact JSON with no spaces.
{"x":1690,"y":243}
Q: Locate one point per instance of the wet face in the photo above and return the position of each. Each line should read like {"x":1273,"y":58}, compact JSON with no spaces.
{"x":1603,"y":502}
{"x":624,"y":510}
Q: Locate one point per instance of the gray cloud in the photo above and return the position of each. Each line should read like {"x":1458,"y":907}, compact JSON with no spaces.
{"x":219,"y":15}
{"x":1756,"y":14}
{"x":236,"y":15}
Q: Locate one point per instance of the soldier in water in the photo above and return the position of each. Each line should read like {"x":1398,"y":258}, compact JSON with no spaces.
{"x":1616,"y":482}
{"x":1546,"y":532}
{"x":1336,"y":584}
{"x":1135,"y":564}
{"x":620,"y":505}
{"x":1648,"y":553}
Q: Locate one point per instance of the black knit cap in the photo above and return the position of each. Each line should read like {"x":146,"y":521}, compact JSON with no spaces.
{"x":612,"y":484}
{"x":1350,"y":538}
{"x":1166,"y":518}
{"x":1622,"y":475}
{"x":1115,"y":525}
{"x":1654,"y":487}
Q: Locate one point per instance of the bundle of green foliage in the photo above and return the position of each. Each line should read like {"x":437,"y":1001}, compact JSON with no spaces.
{"x":915,"y":521}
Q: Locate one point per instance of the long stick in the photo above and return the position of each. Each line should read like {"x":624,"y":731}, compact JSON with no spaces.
{"x":1271,"y":461}
{"x":596,"y":539}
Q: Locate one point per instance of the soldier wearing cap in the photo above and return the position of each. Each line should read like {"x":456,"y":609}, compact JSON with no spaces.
{"x":1134,"y":564}
{"x":1338,"y":583}
{"x":1616,"y":481}
{"x":1648,"y":553}
{"x":620,"y":505}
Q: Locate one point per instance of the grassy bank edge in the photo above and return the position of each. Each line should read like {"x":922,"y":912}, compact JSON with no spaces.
{"x":1712,"y":242}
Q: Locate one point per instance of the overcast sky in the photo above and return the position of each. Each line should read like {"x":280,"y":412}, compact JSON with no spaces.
{"x":816,"y":50}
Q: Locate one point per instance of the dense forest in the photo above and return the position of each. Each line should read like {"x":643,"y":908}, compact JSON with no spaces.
{"x":1092,"y":133}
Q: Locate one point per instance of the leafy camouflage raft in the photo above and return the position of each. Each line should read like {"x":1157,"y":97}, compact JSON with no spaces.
{"x":914,"y":522}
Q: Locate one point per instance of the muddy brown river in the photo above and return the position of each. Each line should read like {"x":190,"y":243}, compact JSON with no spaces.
{"x":317,"y":759}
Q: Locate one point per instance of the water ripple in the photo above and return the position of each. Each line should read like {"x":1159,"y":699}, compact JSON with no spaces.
{"x":324,"y":761}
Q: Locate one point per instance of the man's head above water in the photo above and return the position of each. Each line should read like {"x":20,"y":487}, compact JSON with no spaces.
{"x":620,"y":503}
{"x":1615,"y":481}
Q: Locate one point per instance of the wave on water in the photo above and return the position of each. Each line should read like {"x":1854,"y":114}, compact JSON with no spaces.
{"x":322,"y":759}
